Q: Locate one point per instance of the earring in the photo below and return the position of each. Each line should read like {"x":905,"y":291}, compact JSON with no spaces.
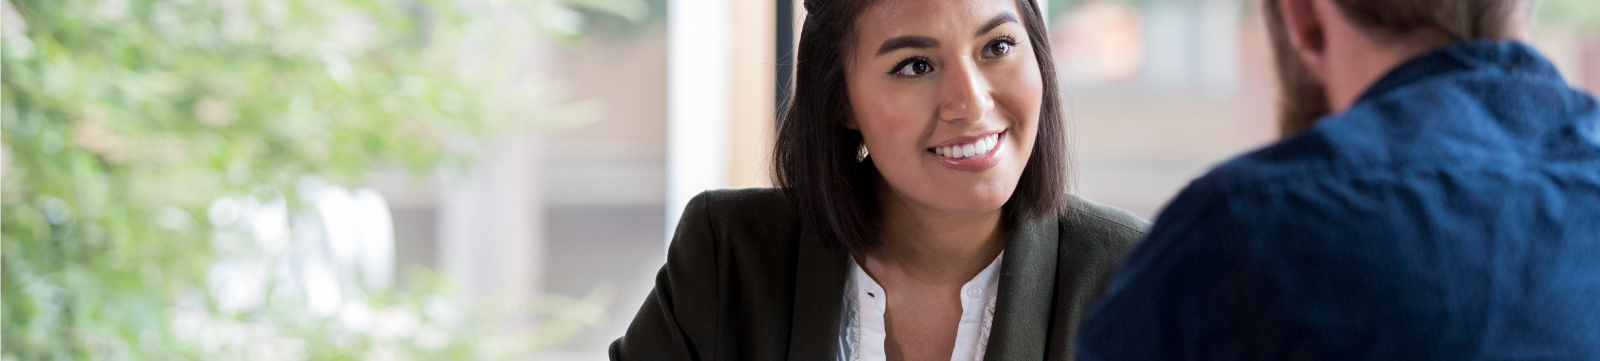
{"x":862,"y":153}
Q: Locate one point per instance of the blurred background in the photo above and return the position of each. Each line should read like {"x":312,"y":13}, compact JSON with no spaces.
{"x":483,"y":179}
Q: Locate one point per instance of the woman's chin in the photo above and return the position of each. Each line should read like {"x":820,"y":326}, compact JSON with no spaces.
{"x":956,"y":196}
{"x":972,"y":206}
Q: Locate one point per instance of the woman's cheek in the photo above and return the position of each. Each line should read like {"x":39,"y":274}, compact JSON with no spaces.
{"x":1027,"y":95}
{"x":893,"y":121}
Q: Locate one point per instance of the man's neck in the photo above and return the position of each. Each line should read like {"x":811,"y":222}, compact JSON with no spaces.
{"x":1361,"y":61}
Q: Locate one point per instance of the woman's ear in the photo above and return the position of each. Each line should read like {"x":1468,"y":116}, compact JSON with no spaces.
{"x":850,"y":123}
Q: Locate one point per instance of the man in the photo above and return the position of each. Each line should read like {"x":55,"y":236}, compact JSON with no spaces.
{"x":1436,"y":197}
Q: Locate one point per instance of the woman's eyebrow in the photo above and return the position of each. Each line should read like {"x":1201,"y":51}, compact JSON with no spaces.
{"x":996,"y":22}
{"x":908,"y":41}
{"x":923,"y":42}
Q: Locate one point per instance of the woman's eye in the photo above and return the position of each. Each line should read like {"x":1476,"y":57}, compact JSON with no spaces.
{"x":998,"y":48}
{"x":912,"y":67}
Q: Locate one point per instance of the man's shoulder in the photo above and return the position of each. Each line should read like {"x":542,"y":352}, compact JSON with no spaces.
{"x":1294,"y":158}
{"x":1251,"y":191}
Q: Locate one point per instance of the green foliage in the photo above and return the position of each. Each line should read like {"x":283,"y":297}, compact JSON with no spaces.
{"x":1583,"y":15}
{"x":124,"y":120}
{"x":1578,"y":14}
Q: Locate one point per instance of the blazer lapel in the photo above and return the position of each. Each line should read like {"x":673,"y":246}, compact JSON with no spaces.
{"x":1027,"y":288}
{"x":818,"y":299}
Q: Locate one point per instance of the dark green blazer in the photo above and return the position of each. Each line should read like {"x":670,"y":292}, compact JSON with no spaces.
{"x":740,"y":284}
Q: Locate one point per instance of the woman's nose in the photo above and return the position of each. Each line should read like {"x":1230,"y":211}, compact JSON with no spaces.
{"x":964,"y":94}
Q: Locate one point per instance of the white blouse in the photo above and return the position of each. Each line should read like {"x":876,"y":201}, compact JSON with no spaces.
{"x":863,"y":333}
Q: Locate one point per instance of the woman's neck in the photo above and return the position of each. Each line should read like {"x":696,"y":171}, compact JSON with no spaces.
{"x":926,"y":245}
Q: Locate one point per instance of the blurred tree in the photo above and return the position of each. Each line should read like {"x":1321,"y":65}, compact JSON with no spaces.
{"x":1581,"y":15}
{"x":125,"y":121}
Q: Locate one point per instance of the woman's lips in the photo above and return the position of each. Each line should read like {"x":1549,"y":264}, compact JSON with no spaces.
{"x":972,"y":157}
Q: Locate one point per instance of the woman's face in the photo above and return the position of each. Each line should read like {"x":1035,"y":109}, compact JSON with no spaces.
{"x":947,"y":96}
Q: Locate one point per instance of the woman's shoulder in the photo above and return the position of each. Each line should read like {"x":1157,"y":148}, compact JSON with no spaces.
{"x":1110,"y":230}
{"x":747,"y":197}
{"x":739,"y":218}
{"x":1085,"y":213}
{"x":1094,"y":239}
{"x":742,"y":206}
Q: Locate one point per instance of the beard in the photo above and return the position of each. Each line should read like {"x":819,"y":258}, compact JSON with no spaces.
{"x":1302,"y":99}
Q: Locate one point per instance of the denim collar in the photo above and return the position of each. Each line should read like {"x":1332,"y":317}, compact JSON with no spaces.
{"x":1508,"y":57}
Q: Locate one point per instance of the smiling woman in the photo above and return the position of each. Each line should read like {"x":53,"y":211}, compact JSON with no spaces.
{"x":923,"y":146}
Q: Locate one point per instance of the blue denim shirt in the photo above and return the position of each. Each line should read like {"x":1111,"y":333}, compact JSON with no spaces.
{"x":1453,"y":213}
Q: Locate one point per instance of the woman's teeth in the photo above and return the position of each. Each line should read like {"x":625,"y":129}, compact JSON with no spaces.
{"x":981,"y":147}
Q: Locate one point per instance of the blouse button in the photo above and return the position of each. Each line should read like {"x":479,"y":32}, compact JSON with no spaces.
{"x":974,"y":292}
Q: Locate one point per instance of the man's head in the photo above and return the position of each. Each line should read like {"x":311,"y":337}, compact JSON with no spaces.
{"x":1330,"y":51}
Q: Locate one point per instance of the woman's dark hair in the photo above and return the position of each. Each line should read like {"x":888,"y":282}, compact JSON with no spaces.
{"x":817,"y":158}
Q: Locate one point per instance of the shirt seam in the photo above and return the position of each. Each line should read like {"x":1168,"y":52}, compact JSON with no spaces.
{"x":1321,"y":172}
{"x":1119,"y":224}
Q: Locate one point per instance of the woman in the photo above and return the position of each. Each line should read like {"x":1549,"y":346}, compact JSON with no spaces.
{"x":923,"y":211}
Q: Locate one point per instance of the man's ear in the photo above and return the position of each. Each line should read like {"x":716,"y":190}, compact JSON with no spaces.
{"x":1306,"y":32}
